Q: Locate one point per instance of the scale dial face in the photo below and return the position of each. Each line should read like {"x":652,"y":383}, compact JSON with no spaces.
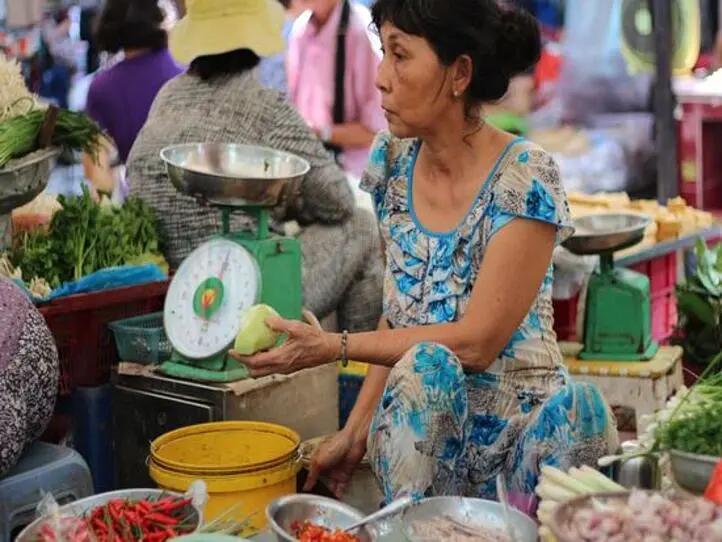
{"x":208,"y":293}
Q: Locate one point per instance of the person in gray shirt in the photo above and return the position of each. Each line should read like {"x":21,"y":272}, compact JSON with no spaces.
{"x":221,"y":100}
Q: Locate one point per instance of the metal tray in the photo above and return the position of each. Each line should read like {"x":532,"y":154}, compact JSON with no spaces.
{"x":604,"y":233}
{"x":232,"y":175}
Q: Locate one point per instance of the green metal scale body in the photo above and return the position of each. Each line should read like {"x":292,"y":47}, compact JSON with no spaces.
{"x":618,"y":320}
{"x":216,"y":283}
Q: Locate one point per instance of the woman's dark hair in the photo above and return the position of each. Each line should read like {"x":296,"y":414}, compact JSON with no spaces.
{"x":231,"y":63}
{"x":61,"y":16}
{"x":130,"y":24}
{"x":502,"y":42}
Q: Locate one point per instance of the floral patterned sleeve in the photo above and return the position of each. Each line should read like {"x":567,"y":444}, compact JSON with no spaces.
{"x":530,"y":187}
{"x":375,"y":177}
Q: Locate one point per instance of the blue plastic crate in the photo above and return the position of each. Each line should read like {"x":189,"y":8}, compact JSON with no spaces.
{"x":142,"y":339}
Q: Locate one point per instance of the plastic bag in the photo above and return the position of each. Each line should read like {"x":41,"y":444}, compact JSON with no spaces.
{"x":601,"y":168}
{"x":570,"y":272}
{"x":106,"y":279}
{"x":96,"y":517}
{"x":594,"y":78}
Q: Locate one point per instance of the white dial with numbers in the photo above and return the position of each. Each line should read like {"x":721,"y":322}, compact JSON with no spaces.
{"x":208,"y":293}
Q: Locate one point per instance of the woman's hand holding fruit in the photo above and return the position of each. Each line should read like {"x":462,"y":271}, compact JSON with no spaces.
{"x":306,"y":345}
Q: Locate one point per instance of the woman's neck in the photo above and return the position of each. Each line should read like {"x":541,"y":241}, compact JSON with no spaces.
{"x":134,"y":53}
{"x":450,"y":151}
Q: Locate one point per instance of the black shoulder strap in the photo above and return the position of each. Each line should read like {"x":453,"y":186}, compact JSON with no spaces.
{"x":338,"y":100}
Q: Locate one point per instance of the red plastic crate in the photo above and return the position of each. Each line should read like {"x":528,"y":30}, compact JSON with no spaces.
{"x":664,"y":316}
{"x":565,"y":318}
{"x":699,"y":162}
{"x":662,"y":273}
{"x":79,"y":324}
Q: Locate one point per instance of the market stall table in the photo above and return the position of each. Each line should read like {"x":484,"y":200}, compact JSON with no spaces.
{"x":644,"y":386}
{"x":148,"y":404}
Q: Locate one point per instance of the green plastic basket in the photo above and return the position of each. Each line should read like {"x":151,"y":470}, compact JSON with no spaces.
{"x":142,"y":339}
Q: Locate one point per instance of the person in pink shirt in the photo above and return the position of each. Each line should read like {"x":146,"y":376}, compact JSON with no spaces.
{"x":344,"y":111}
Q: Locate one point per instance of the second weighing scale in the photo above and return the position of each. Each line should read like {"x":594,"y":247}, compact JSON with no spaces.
{"x":236,"y":270}
{"x":617,"y":314}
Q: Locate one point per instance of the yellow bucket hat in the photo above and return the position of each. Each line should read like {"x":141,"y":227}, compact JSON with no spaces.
{"x":214,"y":27}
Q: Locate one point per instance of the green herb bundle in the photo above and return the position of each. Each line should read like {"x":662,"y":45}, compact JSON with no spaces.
{"x":696,"y":425}
{"x":699,"y":304}
{"x":73,"y":131}
{"x":85,"y":237}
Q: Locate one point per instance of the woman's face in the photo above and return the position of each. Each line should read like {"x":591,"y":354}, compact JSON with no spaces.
{"x":417,"y":91}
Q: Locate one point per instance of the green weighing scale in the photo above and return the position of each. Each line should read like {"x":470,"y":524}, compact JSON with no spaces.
{"x":235,"y":270}
{"x":617,"y":312}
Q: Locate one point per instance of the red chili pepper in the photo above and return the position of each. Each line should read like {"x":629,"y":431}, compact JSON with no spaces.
{"x":163,"y":519}
{"x":713,"y":492}
{"x":99,"y":525}
{"x":47,"y":533}
{"x":173,"y":504}
{"x":156,"y":537}
{"x":143,"y":506}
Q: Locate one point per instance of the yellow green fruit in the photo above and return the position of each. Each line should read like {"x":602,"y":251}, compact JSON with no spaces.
{"x":254,"y":335}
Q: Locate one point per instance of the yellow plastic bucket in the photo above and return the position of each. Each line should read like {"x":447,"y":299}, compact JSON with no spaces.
{"x":245,"y":465}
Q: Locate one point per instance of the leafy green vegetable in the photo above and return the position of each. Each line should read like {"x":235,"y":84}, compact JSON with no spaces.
{"x":85,"y":237}
{"x":694,"y":426}
{"x":699,"y":305}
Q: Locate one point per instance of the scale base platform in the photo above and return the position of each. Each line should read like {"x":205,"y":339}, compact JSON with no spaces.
{"x":646,"y":355}
{"x":220,"y":370}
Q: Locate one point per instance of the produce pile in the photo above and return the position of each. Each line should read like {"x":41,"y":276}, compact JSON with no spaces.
{"x":699,"y":304}
{"x":557,"y":487}
{"x":310,"y":532}
{"x":22,"y":116}
{"x":692,"y":420}
{"x":644,"y":517}
{"x":149,"y":520}
{"x":83,"y":237}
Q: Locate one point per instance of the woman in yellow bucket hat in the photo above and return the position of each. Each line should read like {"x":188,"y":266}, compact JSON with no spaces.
{"x":220,"y":99}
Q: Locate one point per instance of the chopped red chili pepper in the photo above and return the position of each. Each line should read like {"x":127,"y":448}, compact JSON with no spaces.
{"x":309,"y":532}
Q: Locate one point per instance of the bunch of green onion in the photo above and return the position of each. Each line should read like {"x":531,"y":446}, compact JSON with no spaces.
{"x":73,"y":131}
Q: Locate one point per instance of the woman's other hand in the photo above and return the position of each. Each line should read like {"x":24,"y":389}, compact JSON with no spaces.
{"x":306,"y":345}
{"x":336,"y":459}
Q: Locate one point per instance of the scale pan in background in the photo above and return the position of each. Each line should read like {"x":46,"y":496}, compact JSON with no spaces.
{"x":604,"y":233}
{"x":232,"y":175}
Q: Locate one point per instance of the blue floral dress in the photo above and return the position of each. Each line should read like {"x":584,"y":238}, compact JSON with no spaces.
{"x":438,"y":430}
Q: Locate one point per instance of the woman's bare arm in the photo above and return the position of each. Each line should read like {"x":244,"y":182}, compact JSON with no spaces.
{"x":98,"y":171}
{"x":368,"y":399}
{"x":505,"y":288}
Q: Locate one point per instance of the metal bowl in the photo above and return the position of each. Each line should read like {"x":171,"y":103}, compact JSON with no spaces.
{"x":565,"y":512}
{"x":83,"y":506}
{"x":596,"y":234}
{"x":227,"y":174}
{"x":468,"y":512}
{"x":329,"y":513}
{"x":692,"y":472}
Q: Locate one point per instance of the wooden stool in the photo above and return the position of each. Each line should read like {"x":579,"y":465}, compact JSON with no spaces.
{"x":644,"y":386}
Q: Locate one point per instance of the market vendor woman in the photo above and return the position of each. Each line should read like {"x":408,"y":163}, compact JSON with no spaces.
{"x":466,"y":380}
